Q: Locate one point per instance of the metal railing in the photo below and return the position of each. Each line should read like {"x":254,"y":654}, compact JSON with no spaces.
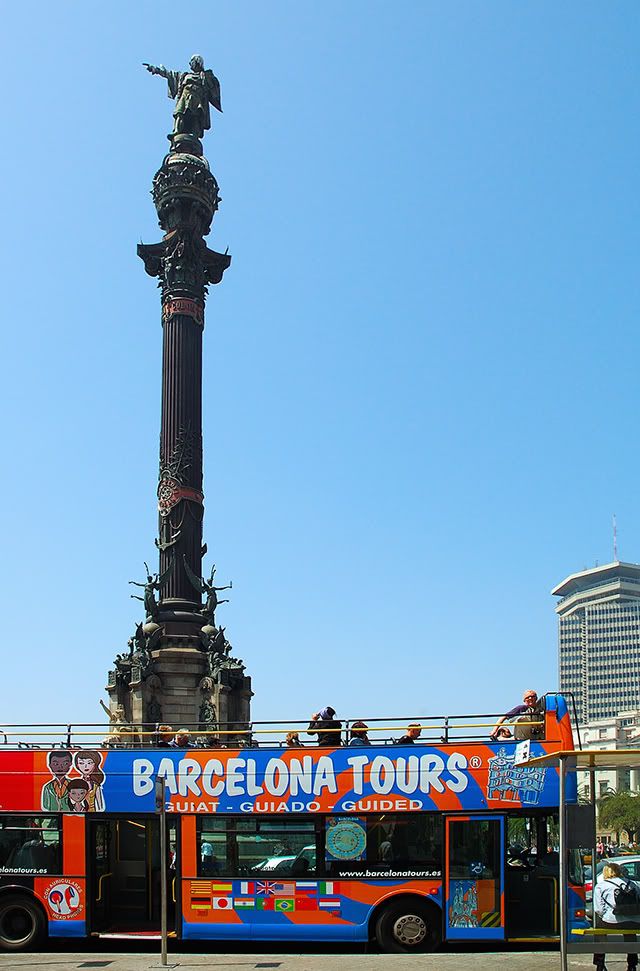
{"x":443,"y":729}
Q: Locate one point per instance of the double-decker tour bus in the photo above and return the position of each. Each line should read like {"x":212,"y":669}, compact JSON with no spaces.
{"x":449,"y":838}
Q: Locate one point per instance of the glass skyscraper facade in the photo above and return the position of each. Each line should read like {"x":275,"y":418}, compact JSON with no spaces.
{"x":599,"y":639}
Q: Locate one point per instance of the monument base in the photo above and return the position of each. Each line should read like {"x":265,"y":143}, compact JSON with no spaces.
{"x":178,"y":683}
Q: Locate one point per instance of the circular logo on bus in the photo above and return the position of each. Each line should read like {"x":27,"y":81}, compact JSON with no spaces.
{"x":63,"y":899}
{"x":346,"y":839}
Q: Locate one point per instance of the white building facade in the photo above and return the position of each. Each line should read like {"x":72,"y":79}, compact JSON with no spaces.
{"x":622,"y":732}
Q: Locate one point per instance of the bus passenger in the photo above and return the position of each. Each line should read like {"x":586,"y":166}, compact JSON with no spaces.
{"x":359,"y":734}
{"x":208,"y":861}
{"x":182,"y":739}
{"x":292,"y":740}
{"x":414,"y":731}
{"x":528,"y":707}
{"x":165,"y":735}
{"x":324,"y":725}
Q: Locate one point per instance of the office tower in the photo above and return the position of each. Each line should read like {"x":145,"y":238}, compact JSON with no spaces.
{"x":599,"y":639}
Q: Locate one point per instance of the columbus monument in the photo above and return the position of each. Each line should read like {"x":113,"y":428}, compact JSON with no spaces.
{"x":178,"y":667}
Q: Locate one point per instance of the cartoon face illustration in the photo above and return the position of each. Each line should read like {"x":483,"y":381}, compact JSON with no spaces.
{"x":86,"y":765}
{"x":77,"y":794}
{"x":59,"y":763}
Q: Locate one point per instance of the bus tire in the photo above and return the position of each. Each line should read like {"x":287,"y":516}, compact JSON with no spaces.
{"x":22,"y":922}
{"x":408,"y":926}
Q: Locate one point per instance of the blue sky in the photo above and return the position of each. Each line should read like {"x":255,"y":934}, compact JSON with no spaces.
{"x":420,"y":371}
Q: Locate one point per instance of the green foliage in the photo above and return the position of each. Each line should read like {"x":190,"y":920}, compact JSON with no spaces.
{"x":620,"y":811}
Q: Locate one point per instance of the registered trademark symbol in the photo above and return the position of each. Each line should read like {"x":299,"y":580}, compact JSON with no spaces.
{"x":475,"y":761}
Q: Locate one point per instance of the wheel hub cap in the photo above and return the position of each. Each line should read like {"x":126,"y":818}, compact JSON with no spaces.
{"x":410,"y":930}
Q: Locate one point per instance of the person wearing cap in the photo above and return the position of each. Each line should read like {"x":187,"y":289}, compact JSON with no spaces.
{"x":323,"y":724}
{"x":529,"y":706}
{"x":181,"y":740}
{"x":359,"y":734}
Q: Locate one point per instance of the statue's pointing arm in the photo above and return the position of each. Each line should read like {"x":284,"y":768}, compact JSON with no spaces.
{"x":213,"y":89}
{"x":173,"y":77}
{"x":153,"y":69}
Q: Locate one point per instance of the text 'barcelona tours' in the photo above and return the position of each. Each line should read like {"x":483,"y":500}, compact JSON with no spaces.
{"x":238,"y":777}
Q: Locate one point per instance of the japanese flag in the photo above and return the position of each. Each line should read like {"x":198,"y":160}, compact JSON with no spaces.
{"x":222,"y":903}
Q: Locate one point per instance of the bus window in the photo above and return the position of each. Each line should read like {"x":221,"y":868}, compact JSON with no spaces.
{"x":30,"y":844}
{"x":407,"y":844}
{"x":212,"y":846}
{"x":475,"y":851}
{"x":239,"y":847}
{"x":532,"y":840}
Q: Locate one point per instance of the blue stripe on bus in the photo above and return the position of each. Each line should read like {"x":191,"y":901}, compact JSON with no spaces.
{"x":277,"y":931}
{"x":67,"y":928}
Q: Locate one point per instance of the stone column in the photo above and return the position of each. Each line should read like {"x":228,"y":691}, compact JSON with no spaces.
{"x":179,"y":669}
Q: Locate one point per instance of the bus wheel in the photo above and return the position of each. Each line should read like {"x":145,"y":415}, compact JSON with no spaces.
{"x":21,"y":922}
{"x":408,"y":926}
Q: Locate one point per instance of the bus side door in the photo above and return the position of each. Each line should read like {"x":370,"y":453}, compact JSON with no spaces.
{"x":474,"y":885}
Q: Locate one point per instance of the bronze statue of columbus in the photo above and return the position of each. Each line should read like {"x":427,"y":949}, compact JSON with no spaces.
{"x":193,"y":92}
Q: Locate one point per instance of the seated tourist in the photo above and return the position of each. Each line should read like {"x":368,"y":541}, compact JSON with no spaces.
{"x":529,"y":707}
{"x":324,"y":725}
{"x":292,"y":740}
{"x":414,"y":731}
{"x":359,"y":734}
{"x":182,"y":739}
{"x":165,"y":736}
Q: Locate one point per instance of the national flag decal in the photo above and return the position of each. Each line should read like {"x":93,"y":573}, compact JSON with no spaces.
{"x":200,"y":892}
{"x":284,"y":889}
{"x":285,"y":904}
{"x":222,"y":903}
{"x":266,"y":887}
{"x":328,"y":889}
{"x":330,"y":904}
{"x":283,"y":897}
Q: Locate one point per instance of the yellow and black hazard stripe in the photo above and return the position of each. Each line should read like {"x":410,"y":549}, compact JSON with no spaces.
{"x":490,"y":918}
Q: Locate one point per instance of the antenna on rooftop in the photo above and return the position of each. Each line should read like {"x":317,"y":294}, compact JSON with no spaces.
{"x":615,"y":539}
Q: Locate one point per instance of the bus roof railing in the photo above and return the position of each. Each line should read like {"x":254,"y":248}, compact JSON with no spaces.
{"x":435,"y":729}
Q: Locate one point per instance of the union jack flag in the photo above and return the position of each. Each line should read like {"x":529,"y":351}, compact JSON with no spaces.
{"x":266,"y":887}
